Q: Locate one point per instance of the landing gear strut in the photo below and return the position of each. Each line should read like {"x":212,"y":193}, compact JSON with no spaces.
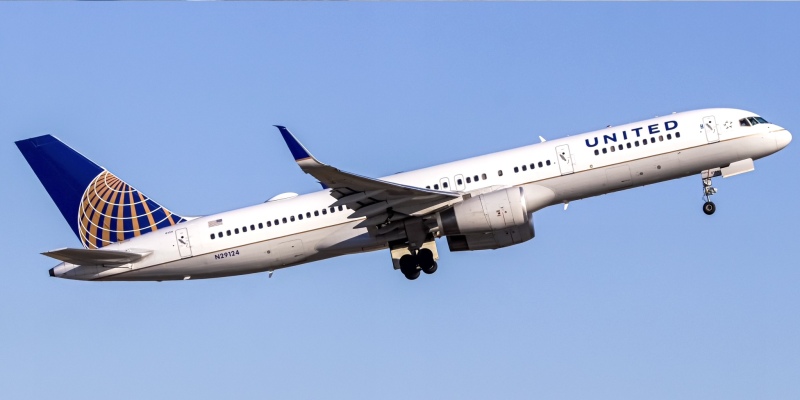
{"x":411,"y":265}
{"x":709,"y":207}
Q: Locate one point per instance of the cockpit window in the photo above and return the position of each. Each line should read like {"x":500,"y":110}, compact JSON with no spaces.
{"x":761,"y":120}
{"x":743,"y":122}
{"x":752,"y":121}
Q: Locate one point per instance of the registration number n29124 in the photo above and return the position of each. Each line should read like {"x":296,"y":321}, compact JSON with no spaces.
{"x":226,"y":254}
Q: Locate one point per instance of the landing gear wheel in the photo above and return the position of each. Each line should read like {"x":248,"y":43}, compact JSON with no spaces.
{"x":412,"y":275}
{"x":425,"y":258}
{"x":431,"y":269}
{"x":709,"y":208}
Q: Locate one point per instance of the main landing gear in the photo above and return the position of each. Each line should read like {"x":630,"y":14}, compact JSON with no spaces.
{"x":709,"y":207}
{"x":411,"y":265}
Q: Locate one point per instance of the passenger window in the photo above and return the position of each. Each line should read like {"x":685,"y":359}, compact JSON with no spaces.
{"x":524,"y":167}
{"x":476,"y":178}
{"x":324,"y":211}
{"x":444,"y":185}
{"x":547,"y":162}
{"x":660,"y":138}
{"x":436,"y":186}
{"x":669,"y":136}
{"x":252,"y":227}
{"x":613,"y":149}
{"x":644,"y":142}
{"x":459,"y":181}
{"x":596,"y":152}
{"x":652,"y":140}
{"x":220,"y":235}
{"x":604,"y":150}
{"x":269,"y":223}
{"x":620,"y":147}
{"x":308,"y":215}
{"x":629,"y":145}
{"x":540,"y":163}
{"x":277,"y":222}
{"x":333,"y":210}
{"x":500,"y":172}
{"x":244,"y":229}
{"x":316,"y":213}
{"x":533,"y":165}
{"x":516,"y":169}
{"x":677,"y":135}
{"x":427,"y":187}
{"x":300,"y":216}
{"x":291,"y":218}
{"x":229,"y":233}
{"x":236,"y":231}
{"x":340,"y":208}
{"x":469,"y":180}
{"x":284,"y":220}
{"x":212,"y":236}
{"x":483,"y":176}
{"x":636,"y":143}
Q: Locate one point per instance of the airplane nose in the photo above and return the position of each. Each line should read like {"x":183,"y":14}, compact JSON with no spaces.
{"x":783,"y":138}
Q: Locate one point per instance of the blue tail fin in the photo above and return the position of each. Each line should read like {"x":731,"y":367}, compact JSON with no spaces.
{"x":99,"y":207}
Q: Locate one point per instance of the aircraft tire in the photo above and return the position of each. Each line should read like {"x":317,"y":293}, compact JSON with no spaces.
{"x":425,"y":258}
{"x":412,"y":275}
{"x":431,"y":269}
{"x":709,"y":208}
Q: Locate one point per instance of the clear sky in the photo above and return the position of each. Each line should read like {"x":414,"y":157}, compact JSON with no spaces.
{"x":631,"y":295}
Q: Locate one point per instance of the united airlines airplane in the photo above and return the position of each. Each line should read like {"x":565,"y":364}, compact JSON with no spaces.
{"x":480,"y":203}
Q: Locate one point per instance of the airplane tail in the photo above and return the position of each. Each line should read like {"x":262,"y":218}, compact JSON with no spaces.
{"x":99,"y":207}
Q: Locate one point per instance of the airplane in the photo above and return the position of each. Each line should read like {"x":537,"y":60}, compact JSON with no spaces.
{"x":480,"y":203}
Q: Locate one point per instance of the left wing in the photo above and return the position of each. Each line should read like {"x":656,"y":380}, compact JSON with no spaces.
{"x":379,"y":201}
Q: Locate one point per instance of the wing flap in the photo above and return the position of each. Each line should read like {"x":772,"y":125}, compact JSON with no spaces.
{"x":97,"y":257}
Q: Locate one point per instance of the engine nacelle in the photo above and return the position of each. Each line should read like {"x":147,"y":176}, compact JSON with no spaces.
{"x":488,"y":221}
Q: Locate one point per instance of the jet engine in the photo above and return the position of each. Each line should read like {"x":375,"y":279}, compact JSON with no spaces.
{"x":488,"y":221}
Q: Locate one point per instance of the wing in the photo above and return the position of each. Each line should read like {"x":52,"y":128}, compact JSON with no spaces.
{"x":376,"y":200}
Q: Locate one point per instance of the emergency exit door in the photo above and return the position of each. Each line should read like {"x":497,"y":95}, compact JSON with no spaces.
{"x":564,"y":159}
{"x":710,"y":128}
{"x":184,"y":247}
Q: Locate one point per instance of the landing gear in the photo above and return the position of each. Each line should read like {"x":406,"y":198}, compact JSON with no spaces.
{"x":709,"y":207}
{"x":411,"y":265}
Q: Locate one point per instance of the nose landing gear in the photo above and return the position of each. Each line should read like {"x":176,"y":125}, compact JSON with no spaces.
{"x":709,"y":207}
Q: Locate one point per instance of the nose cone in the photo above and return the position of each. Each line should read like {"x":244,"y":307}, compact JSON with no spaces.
{"x":782,"y":138}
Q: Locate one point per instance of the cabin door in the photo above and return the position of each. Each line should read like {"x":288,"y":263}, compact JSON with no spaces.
{"x":710,"y":128}
{"x":182,"y":237}
{"x":564,"y":159}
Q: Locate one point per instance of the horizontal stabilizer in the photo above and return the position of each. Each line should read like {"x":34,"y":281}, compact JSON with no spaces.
{"x":97,"y":257}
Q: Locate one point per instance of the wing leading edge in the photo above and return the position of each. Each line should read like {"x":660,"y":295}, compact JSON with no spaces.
{"x":377,"y":200}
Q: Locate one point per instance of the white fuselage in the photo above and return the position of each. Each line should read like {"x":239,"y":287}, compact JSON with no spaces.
{"x":571,"y":168}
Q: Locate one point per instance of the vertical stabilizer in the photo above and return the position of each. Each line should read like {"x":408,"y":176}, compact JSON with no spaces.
{"x":99,"y":207}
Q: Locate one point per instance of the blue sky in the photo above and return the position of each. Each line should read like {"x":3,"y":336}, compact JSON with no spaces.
{"x":631,"y":295}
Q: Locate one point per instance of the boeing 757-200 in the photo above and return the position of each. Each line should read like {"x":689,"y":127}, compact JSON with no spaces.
{"x":479,"y":203}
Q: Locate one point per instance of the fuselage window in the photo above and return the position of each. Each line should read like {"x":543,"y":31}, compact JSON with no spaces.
{"x":279,"y":222}
{"x":540,"y":163}
{"x":229,"y":233}
{"x":469,"y":180}
{"x":252,"y":227}
{"x":212,"y":236}
{"x":644,"y":142}
{"x":300,"y":216}
{"x":316,"y":213}
{"x":324,"y":211}
{"x":500,"y":172}
{"x":547,"y":162}
{"x":244,"y":229}
{"x":604,"y":150}
{"x":308,"y":214}
{"x":284,"y":220}
{"x":516,"y":169}
{"x":620,"y":147}
{"x":652,"y":140}
{"x":444,"y":185}
{"x":596,"y":152}
{"x":483,"y":176}
{"x":427,"y":187}
{"x":436,"y":186}
{"x":220,"y":235}
{"x":660,"y":138}
{"x":341,"y":208}
{"x":236,"y":231}
{"x":636,"y":143}
{"x":333,"y":210}
{"x":669,"y":136}
{"x":459,"y":181}
{"x":629,"y":145}
{"x":613,"y":149}
{"x":476,"y":178}
{"x":533,"y":165}
{"x":677,"y":135}
{"x":269,"y":224}
{"x":524,"y":168}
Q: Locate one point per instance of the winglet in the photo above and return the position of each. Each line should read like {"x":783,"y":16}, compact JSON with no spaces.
{"x":299,"y":152}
